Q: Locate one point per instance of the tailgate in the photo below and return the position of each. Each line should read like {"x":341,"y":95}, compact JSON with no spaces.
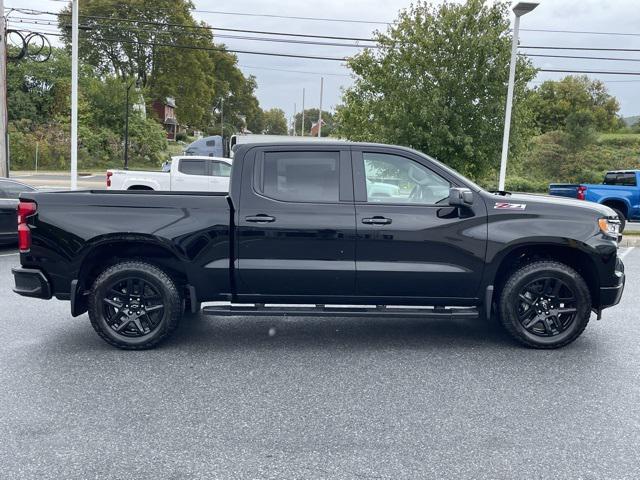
{"x":564,"y":189}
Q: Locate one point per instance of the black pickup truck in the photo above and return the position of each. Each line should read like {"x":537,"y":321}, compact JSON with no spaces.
{"x":338,"y":229}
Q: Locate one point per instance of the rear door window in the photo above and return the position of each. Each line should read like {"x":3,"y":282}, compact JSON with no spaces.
{"x":193,"y":167}
{"x":299,"y":176}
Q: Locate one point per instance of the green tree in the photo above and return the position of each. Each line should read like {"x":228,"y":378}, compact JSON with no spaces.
{"x":580,"y":128}
{"x":437,"y":82}
{"x":171,"y":53}
{"x":275,"y":123}
{"x":39,"y":91}
{"x":311,"y":117}
{"x":39,"y":113}
{"x":554,"y":101}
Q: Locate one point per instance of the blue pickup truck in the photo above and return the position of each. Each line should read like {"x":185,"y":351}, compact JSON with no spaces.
{"x":620,"y":191}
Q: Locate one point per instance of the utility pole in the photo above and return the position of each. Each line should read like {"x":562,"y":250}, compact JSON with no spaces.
{"x":74,"y":95}
{"x":320,"y":109}
{"x":126,"y":129}
{"x":222,"y":118}
{"x":4,"y":136}
{"x":295,"y":107}
{"x":302,"y":123}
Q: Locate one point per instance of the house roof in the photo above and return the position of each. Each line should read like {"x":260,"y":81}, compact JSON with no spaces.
{"x":170,"y":101}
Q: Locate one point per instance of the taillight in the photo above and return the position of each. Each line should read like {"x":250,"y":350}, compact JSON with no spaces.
{"x":109,"y":178}
{"x":582,"y":192}
{"x":25,"y":209}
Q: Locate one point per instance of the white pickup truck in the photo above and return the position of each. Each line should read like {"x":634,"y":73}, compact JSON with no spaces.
{"x":186,"y":173}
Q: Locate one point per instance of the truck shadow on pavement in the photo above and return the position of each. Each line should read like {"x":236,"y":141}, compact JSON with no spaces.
{"x":309,"y":332}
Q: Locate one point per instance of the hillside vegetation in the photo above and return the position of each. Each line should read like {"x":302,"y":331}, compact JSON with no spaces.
{"x":548,"y":161}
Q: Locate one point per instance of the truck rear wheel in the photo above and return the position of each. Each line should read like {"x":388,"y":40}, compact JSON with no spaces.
{"x":134,"y":305}
{"x":545,"y":304}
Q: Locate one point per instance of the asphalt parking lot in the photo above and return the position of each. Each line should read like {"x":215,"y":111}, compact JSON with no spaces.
{"x":318,"y":398}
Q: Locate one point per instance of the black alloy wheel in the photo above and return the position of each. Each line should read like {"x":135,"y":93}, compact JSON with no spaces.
{"x":134,"y":305}
{"x":547,"y":307}
{"x":545,"y":304}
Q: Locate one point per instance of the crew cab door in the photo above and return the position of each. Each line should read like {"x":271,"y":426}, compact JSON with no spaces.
{"x":190,"y":175}
{"x":410,"y":242}
{"x":295,"y":223}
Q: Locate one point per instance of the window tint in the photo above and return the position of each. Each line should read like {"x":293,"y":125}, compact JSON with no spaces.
{"x":210,"y":143}
{"x":300,"y":176}
{"x":12,"y":189}
{"x":220,"y":169}
{"x":193,"y":167}
{"x":395,"y":179}
{"x":627,"y":179}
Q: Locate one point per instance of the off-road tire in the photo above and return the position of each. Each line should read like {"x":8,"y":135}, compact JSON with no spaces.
{"x":509,"y":298}
{"x":171,"y":299}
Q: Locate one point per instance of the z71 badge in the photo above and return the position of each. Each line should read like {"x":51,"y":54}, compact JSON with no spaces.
{"x":509,"y":206}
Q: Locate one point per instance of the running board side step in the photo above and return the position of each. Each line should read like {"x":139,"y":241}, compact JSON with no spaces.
{"x":275,"y":310}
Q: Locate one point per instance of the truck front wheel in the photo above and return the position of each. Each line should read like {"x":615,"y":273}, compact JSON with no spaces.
{"x":134,"y":305}
{"x":545,"y":304}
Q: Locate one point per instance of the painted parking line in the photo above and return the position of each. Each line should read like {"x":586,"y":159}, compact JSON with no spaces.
{"x":625,"y":253}
{"x":9,"y":254}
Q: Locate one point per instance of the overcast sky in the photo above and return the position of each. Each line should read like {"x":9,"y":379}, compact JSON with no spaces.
{"x":282,"y":89}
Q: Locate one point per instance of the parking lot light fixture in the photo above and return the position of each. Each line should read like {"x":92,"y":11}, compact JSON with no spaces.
{"x":520,"y":9}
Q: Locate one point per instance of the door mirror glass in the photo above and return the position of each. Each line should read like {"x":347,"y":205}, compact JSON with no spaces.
{"x":460,"y":197}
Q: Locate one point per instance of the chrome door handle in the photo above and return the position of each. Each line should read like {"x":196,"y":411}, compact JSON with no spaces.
{"x":376,"y":221}
{"x":260,"y":218}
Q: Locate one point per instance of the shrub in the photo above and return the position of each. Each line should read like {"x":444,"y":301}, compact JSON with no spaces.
{"x":527,"y":185}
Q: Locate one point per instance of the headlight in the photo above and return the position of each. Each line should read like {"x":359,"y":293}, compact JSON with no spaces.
{"x":610,"y":227}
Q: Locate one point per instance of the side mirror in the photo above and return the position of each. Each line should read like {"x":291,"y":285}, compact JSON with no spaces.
{"x":460,"y":197}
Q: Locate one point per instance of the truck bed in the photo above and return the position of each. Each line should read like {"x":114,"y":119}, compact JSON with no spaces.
{"x":569,"y":190}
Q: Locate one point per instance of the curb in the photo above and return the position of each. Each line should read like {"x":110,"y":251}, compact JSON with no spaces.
{"x":630,"y":241}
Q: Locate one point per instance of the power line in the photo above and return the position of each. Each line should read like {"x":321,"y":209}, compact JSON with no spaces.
{"x":580,"y":57}
{"x":372,"y":22}
{"x":327,"y":37}
{"x":599,"y":72}
{"x":292,"y":17}
{"x":579,"y":32}
{"x":289,"y":17}
{"x":55,"y":33}
{"x":538,"y":82}
{"x":295,"y":71}
{"x":600,"y":49}
{"x":225,"y":36}
{"x":28,"y":11}
{"x":210,"y":49}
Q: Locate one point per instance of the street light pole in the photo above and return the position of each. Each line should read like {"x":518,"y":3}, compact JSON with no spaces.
{"x":302,"y":122}
{"x":126,"y":129}
{"x":519,"y":10}
{"x":320,"y":109}
{"x":222,"y":118}
{"x":74,"y":94}
{"x":4,"y":136}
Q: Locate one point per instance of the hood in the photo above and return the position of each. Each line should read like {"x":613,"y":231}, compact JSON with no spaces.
{"x":542,"y":200}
